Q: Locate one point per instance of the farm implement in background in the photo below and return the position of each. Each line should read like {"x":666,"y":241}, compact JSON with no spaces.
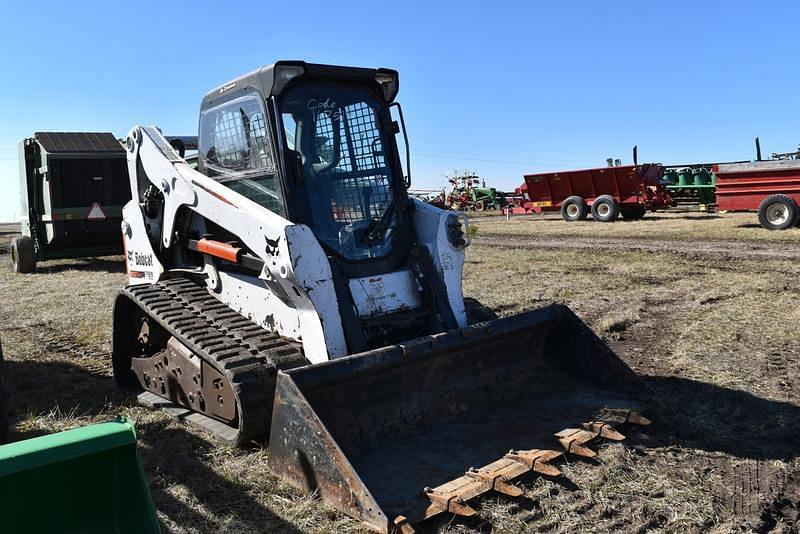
{"x":73,"y":186}
{"x":469,"y":193}
{"x":692,"y":186}
{"x":605,"y":192}
{"x":769,"y":187}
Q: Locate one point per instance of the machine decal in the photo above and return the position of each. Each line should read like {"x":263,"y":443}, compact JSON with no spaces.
{"x":96,"y":213}
{"x":272,"y":246}
{"x":145,"y":275}
{"x":140,"y":259}
{"x":447,"y":261}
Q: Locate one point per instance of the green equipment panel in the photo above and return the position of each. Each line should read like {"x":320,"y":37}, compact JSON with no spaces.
{"x":87,"y":480}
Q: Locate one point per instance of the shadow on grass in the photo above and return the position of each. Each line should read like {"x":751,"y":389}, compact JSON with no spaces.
{"x":718,"y":419}
{"x":687,"y":217}
{"x":757,"y":225}
{"x":83,"y":264}
{"x":171,"y":456}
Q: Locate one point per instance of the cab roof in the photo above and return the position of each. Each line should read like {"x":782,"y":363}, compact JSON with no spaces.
{"x":271,"y":80}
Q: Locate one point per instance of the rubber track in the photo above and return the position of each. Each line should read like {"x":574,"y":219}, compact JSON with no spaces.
{"x":244,"y":352}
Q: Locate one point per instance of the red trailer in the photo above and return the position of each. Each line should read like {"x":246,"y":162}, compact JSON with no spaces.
{"x":772,"y":188}
{"x":607,"y":192}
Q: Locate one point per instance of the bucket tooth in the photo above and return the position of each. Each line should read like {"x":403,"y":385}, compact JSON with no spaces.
{"x":495,"y":481}
{"x":603,"y":430}
{"x":537,"y":460}
{"x":402,"y":525}
{"x":572,"y":439}
{"x":636,"y":418}
{"x":451,"y":502}
{"x":617,"y":416}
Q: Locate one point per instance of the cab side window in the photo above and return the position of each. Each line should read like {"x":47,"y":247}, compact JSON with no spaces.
{"x":236,"y":150}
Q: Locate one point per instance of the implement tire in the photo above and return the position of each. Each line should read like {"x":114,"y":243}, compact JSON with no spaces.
{"x":605,"y":209}
{"x":23,"y":254}
{"x":777,"y":212}
{"x":574,"y":208}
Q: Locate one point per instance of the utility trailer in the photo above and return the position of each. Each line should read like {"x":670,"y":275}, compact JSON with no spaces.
{"x":606,"y":192}
{"x":72,"y":189}
{"x":771,"y":188}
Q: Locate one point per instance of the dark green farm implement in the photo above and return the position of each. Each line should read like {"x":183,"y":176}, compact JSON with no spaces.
{"x":86,"y":480}
{"x":73,"y":187}
{"x":692,"y":186}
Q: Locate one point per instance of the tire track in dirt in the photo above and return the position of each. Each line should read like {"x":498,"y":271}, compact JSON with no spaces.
{"x":93,"y":357}
{"x":745,"y":484}
{"x":687,"y":249}
{"x":783,"y":513}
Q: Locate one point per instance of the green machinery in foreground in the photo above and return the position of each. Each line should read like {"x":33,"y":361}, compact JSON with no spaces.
{"x":692,"y":185}
{"x":3,"y":401}
{"x":87,"y":480}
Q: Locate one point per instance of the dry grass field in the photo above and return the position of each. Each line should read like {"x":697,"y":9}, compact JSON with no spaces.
{"x":703,"y":306}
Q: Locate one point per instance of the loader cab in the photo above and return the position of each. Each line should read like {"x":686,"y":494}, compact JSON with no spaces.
{"x":317,"y":145}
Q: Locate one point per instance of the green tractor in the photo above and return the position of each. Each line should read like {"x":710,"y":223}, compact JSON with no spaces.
{"x":470,"y":193}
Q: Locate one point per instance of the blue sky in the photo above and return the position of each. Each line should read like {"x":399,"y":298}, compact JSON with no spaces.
{"x":501,"y":88}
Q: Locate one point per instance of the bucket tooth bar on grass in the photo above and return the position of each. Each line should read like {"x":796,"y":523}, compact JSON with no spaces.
{"x":574,"y":439}
{"x":450,"y":502}
{"x":536,"y":460}
{"x":494,"y":481}
{"x":615,"y":417}
{"x":452,"y":496}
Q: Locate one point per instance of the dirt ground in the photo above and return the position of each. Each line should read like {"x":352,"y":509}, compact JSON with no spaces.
{"x":704,"y":307}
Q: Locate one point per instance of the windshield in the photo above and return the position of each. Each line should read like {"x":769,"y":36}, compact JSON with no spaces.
{"x":340,"y":135}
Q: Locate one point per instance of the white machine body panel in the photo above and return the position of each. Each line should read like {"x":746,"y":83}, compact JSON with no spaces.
{"x":385,"y":293}
{"x":141,"y":262}
{"x":294,"y":291}
{"x":431,"y":225}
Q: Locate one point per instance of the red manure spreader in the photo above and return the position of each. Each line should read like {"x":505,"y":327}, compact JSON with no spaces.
{"x":770,"y":187}
{"x":606,"y":192}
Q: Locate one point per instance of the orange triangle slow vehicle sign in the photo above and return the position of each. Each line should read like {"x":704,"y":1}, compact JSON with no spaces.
{"x":96,"y":213}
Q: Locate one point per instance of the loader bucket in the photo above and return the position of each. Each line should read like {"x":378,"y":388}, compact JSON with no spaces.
{"x":389,"y":436}
{"x":87,"y":480}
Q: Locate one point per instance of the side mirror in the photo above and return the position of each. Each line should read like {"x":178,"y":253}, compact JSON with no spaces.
{"x":397,"y":127}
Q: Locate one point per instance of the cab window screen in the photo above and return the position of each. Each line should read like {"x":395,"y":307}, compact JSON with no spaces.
{"x":361,"y":188}
{"x":341,"y":135}
{"x":236,"y":149}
